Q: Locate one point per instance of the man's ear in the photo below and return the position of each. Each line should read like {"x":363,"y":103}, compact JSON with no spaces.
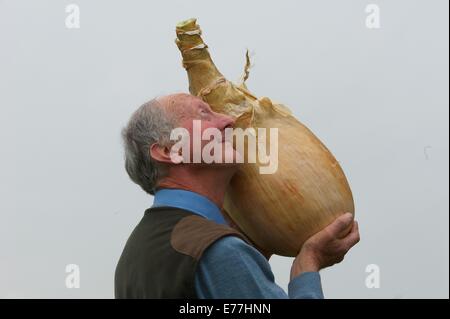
{"x":160,"y":153}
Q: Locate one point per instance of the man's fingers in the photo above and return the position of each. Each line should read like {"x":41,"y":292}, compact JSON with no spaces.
{"x":355,"y":227}
{"x":341,"y":224}
{"x":353,"y":237}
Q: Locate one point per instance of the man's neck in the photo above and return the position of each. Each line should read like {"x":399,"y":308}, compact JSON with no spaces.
{"x":211,"y":183}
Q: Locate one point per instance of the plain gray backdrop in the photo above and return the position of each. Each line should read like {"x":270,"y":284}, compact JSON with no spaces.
{"x":378,"y":98}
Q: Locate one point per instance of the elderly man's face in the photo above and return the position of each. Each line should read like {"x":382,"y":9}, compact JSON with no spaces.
{"x":195,"y":114}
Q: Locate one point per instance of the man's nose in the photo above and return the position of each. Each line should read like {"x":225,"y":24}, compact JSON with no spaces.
{"x":227,"y":121}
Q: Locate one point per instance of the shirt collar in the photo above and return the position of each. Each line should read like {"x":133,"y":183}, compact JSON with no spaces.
{"x":190,"y":201}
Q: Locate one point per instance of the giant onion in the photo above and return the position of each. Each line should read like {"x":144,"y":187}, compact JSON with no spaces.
{"x":279,"y":211}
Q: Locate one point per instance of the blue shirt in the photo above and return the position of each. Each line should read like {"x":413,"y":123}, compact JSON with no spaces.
{"x":231,"y":268}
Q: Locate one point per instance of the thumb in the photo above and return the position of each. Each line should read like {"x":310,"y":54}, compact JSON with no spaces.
{"x":341,"y":225}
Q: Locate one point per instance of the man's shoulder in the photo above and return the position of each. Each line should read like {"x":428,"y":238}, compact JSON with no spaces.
{"x":232,"y":256}
{"x":231,"y":248}
{"x":231,"y":243}
{"x":194,"y":234}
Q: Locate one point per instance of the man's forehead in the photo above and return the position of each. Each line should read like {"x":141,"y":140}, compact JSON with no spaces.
{"x":178,"y":103}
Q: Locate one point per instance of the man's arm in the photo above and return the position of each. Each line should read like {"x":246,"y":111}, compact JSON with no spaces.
{"x":230,"y":268}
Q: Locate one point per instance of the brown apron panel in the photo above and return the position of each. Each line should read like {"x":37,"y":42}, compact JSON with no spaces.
{"x":193,"y":234}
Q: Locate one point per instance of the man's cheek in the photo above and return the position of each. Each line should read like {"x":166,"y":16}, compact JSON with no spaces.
{"x":231,"y":155}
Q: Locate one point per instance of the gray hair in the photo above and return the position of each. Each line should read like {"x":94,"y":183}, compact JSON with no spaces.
{"x":149,"y":124}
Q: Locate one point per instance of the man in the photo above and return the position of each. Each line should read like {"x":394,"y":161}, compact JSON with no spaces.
{"x":184,"y":246}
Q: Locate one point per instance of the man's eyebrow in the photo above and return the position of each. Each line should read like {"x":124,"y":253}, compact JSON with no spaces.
{"x":206,"y":105}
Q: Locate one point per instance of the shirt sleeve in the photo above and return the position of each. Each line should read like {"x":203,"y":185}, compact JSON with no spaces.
{"x":230,"y":268}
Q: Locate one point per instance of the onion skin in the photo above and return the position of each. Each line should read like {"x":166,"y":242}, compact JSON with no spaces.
{"x":279,"y":211}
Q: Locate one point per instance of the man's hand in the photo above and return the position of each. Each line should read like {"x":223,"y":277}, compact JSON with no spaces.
{"x":327,"y":247}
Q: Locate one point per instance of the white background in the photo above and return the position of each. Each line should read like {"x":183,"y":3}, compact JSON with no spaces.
{"x":378,"y":98}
